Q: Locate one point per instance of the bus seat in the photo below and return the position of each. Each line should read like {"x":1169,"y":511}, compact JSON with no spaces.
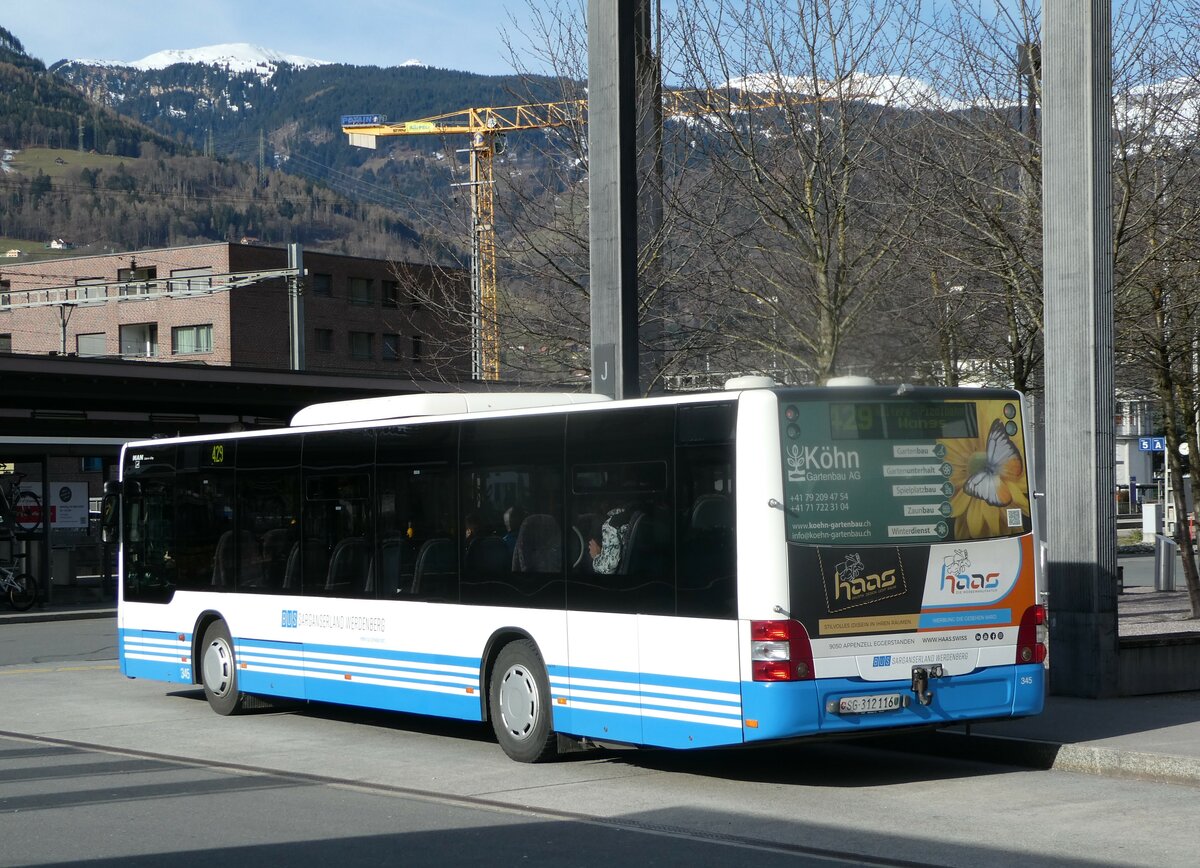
{"x":539,"y":546}
{"x":276,"y":545}
{"x":386,"y":574}
{"x":291,"y":572}
{"x":246,"y":560}
{"x":630,"y":546}
{"x":348,"y":566}
{"x":711,"y":511}
{"x":486,"y":556}
{"x":436,"y":569}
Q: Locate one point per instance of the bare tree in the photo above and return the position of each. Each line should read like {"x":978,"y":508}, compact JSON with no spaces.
{"x":806,"y":247}
{"x":543,"y":223}
{"x":1156,"y":81}
{"x":977,"y":186}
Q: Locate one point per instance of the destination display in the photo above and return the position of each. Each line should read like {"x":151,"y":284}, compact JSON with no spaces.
{"x":893,"y":472}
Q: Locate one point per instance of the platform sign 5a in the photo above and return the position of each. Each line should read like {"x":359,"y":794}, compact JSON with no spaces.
{"x":1152,"y":444}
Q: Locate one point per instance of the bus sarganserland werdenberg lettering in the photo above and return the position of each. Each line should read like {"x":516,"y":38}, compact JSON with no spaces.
{"x":748,"y":566}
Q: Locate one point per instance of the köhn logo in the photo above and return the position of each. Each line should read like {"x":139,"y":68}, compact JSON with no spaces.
{"x":805,"y":459}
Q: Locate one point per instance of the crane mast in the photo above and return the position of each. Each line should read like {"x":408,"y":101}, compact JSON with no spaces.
{"x":483,"y":125}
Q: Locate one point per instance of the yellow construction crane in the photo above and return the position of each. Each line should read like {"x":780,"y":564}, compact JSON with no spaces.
{"x":484,"y":125}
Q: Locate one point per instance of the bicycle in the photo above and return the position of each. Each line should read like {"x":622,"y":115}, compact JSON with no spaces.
{"x":21,"y":588}
{"x":19,"y":508}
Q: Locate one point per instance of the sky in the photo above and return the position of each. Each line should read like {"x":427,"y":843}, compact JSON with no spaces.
{"x":453,"y":34}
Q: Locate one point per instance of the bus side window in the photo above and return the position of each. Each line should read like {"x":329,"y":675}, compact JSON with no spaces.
{"x":337,"y":515}
{"x":415,"y":503}
{"x":706,"y":523}
{"x":512,"y":511}
{"x":204,"y":511}
{"x":268,"y":507}
{"x":621,"y":507}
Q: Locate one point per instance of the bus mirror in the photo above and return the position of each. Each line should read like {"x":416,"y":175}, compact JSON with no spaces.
{"x":110,"y":517}
{"x":112,"y":487}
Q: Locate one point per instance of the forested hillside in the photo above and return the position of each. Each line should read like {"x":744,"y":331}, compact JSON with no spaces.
{"x":155,"y":189}
{"x":292,"y":117}
{"x":36,"y":110}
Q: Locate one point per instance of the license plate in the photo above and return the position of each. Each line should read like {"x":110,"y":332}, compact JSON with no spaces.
{"x":869,"y":704}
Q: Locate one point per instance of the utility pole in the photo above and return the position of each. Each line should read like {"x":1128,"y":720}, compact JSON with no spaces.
{"x":64,"y":316}
{"x":296,"y":308}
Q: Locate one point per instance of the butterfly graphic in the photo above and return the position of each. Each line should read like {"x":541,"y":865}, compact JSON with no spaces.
{"x":1001,"y":464}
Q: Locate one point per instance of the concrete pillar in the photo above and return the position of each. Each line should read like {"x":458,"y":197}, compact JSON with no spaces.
{"x":1077,"y":188}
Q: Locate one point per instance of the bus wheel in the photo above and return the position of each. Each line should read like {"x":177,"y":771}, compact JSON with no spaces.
{"x":519,"y":702}
{"x":218,"y":670}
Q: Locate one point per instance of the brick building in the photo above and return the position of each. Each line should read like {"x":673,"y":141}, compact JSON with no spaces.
{"x":184,"y":304}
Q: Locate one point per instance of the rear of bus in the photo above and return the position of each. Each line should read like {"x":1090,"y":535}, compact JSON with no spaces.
{"x":912,"y":574}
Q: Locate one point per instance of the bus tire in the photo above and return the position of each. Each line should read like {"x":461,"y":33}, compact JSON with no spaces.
{"x":519,"y":703}
{"x":218,"y":670}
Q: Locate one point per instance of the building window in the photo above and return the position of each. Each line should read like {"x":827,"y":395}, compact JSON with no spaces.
{"x":6,"y":343}
{"x":360,"y":345}
{"x":5,"y":294}
{"x":140,"y":339}
{"x":191,"y":339}
{"x":322,"y":284}
{"x":91,"y":344}
{"x":360,"y":290}
{"x":90,"y":289}
{"x":391,"y":293}
{"x":323,"y":340}
{"x":391,"y":348}
{"x":191,"y":280}
{"x":137,"y":281}
{"x":417,"y":348}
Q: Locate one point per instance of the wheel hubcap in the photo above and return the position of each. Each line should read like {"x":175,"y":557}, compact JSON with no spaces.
{"x":518,"y":702}
{"x":218,"y":667}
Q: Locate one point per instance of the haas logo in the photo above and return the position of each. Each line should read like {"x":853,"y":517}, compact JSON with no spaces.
{"x":850,"y":584}
{"x":957,"y":579}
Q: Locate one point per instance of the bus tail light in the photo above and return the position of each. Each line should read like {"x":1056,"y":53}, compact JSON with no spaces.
{"x":780,"y":651}
{"x":1031,"y":636}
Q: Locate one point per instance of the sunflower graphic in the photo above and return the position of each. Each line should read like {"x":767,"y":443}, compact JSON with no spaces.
{"x":989,"y":479}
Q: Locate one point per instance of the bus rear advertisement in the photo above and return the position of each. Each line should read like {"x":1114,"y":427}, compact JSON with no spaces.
{"x":747,"y":566}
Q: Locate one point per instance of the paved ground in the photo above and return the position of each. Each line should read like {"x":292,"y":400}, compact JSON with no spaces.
{"x":1149,"y":737}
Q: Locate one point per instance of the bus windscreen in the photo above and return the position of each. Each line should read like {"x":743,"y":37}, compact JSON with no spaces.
{"x":888,"y":472}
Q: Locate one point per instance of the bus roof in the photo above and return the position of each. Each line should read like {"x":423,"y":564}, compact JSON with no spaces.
{"x":404,"y":406}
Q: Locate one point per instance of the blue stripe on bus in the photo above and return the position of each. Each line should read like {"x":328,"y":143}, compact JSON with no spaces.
{"x":158,"y":655}
{"x":651,"y":680}
{"x":384,"y":653}
{"x":367,"y":677}
{"x":788,"y":709}
{"x":977,"y":618}
{"x":646,"y":708}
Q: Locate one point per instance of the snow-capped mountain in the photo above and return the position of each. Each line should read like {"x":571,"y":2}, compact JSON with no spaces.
{"x":236,"y":57}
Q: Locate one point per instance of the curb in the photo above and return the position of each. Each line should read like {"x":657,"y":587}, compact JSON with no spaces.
{"x":1048,"y":755}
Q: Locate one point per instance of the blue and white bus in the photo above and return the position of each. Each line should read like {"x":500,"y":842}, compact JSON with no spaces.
{"x":747,"y":566}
